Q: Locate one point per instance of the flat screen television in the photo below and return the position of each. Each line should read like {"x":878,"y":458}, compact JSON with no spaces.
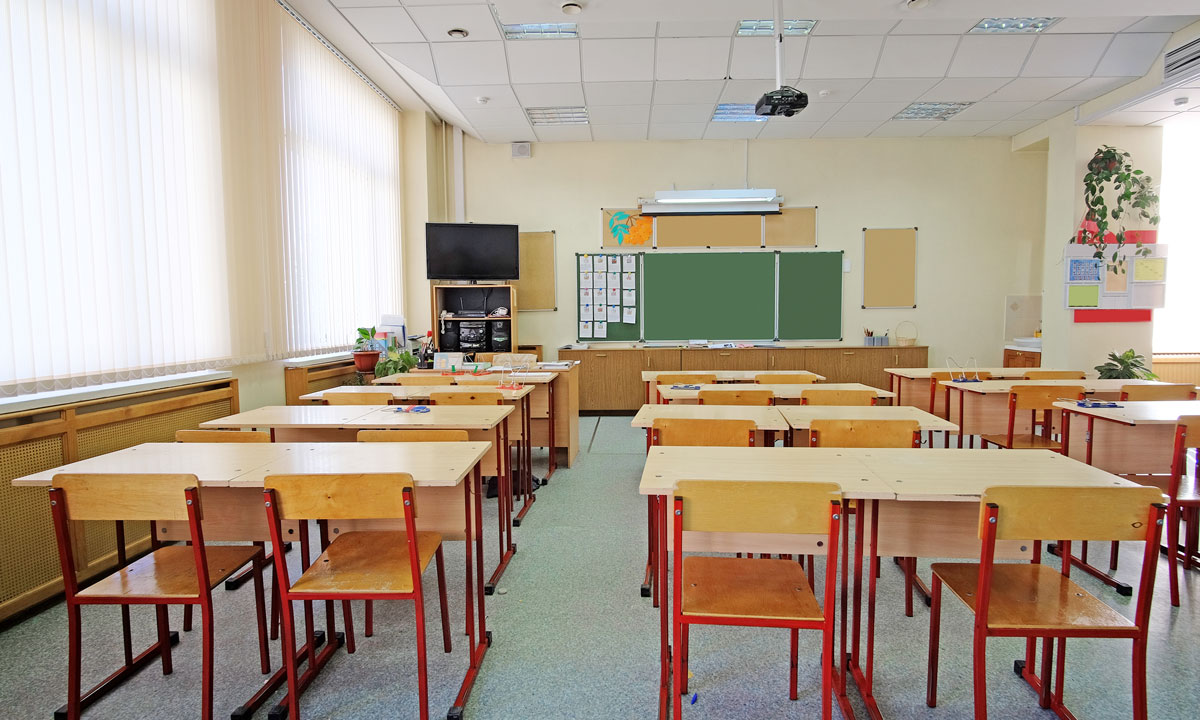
{"x":471,"y":251}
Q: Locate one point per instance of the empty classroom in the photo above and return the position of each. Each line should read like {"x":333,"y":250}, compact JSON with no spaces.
{"x":599,"y":359}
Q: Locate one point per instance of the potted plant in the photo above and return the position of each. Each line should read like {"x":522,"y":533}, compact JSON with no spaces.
{"x":365,"y":356}
{"x":395,"y":360}
{"x":1112,"y":176}
{"x":1126,"y":366}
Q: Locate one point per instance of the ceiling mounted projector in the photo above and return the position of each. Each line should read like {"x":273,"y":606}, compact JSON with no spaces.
{"x":787,"y":100}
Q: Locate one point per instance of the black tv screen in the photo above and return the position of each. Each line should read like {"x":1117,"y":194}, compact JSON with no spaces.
{"x":469,"y":251}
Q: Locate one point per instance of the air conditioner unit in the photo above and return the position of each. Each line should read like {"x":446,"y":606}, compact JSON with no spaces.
{"x":750,"y":201}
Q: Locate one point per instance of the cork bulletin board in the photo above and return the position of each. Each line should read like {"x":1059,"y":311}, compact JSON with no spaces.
{"x":538,"y":286}
{"x":890,"y":268}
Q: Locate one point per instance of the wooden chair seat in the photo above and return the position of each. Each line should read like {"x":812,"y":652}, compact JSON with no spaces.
{"x":1026,"y":596}
{"x":374,"y":561}
{"x":742,"y":587}
{"x":1022,"y":442}
{"x":170,"y":572}
{"x":1187,"y":494}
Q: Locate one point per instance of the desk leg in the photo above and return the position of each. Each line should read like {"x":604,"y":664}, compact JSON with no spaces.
{"x":962,"y":420}
{"x":526,"y":454}
{"x":664,"y":682}
{"x":550,"y":418}
{"x":863,"y":671}
{"x":896,"y":385}
{"x":503,"y":507}
{"x":474,"y":566}
{"x":651,"y":542}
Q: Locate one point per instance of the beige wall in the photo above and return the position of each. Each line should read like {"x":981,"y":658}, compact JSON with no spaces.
{"x":979,"y":206}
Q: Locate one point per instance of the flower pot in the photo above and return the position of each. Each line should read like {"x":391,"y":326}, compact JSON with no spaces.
{"x":365,"y":360}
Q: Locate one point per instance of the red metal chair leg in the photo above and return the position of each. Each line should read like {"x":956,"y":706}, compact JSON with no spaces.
{"x":441,"y":578}
{"x":369,"y":619}
{"x":422,"y":676}
{"x":1173,"y":551}
{"x":1112,"y":555}
{"x":809,"y":562}
{"x":187,"y":618}
{"x":683,"y":651}
{"x":979,"y":672}
{"x":1047,"y":664}
{"x":793,"y":683}
{"x":935,"y":631}
{"x":260,"y":615}
{"x":74,"y":662}
{"x":289,"y":659}
{"x":1139,"y":680}
{"x":206,"y":672}
{"x":162,"y":620}
{"x":274,"y":608}
{"x":348,"y":623}
{"x":677,"y":669}
{"x":906,"y":564}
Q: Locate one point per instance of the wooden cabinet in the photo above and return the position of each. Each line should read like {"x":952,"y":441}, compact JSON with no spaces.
{"x":611,"y":380}
{"x":1022,"y":358}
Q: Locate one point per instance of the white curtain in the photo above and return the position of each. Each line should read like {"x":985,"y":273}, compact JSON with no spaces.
{"x":112,"y":239}
{"x":341,"y":254}
{"x":1175,"y":326}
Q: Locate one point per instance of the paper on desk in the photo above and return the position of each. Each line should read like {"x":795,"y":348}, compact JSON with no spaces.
{"x":585,"y":279}
{"x":629,"y":315}
{"x":629,"y":263}
{"x":614,"y":313}
{"x":600,"y":329}
{"x":629,"y":298}
{"x":629,"y":280}
{"x":585,"y":329}
{"x":598,"y":263}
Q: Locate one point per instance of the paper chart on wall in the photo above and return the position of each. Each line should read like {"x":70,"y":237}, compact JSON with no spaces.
{"x":1083,"y":296}
{"x":1149,"y":269}
{"x":585,"y":279}
{"x":614,"y":263}
{"x":585,"y":328}
{"x":586,"y":296}
{"x":629,"y":298}
{"x":613,"y":296}
{"x":599,"y":280}
{"x":614,"y":313}
{"x":585,"y":312}
{"x":1148,"y":295}
{"x":1084,"y":270}
{"x":585,"y":263}
{"x":629,"y":280}
{"x":614,"y":280}
{"x":598,"y":263}
{"x":629,"y":315}
{"x":600,"y":311}
{"x":629,"y":263}
{"x":600,"y":329}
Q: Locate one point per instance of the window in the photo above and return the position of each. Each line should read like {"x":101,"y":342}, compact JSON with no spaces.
{"x":1175,"y":324}
{"x":111,"y":244}
{"x":341,"y":199}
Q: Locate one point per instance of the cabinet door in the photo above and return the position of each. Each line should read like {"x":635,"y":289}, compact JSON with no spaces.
{"x":866,"y":365}
{"x":666,"y":359}
{"x":1012,"y":359}
{"x":788,"y":359}
{"x":730,"y":359}
{"x":613,"y":381}
{"x":903,"y":357}
{"x":1033,"y":359}
{"x":827,"y":362}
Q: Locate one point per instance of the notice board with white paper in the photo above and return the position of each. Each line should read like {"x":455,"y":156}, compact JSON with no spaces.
{"x":610,"y":296}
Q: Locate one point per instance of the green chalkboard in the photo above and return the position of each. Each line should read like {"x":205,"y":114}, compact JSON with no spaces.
{"x":710,"y":296}
{"x":810,"y":296}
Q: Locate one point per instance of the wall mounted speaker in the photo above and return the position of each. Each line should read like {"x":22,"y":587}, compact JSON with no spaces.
{"x":522,"y":150}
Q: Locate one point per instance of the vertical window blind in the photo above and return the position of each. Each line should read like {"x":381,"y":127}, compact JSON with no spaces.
{"x":185,"y":185}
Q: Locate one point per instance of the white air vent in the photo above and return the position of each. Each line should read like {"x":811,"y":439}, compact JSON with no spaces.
{"x":522,"y":150}
{"x":1182,"y":61}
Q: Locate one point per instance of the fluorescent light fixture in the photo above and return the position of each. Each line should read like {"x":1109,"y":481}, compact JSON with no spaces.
{"x":931,"y":110}
{"x":1013,"y":25}
{"x":541,"y":31}
{"x":737,"y":112}
{"x":761,"y":28}
{"x":557,"y":115}
{"x":681,"y":202}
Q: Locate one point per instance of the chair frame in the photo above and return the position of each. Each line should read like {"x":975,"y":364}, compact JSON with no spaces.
{"x":1178,"y":511}
{"x":935,"y":379}
{"x":1049,"y":691}
{"x":1047,"y":423}
{"x":77,"y":701}
{"x":680,"y":623}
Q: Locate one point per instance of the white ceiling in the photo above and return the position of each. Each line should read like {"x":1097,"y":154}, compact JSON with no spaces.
{"x":656,"y":70}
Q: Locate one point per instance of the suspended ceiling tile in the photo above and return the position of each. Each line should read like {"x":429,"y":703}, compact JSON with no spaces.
{"x":1163,"y":23}
{"x":678,"y":131}
{"x":384,"y":24}
{"x":481,"y":116}
{"x":934,"y":26}
{"x":815,"y":112}
{"x":745,"y":91}
{"x":365,"y":3}
{"x":619,"y":115}
{"x":1090,"y":25}
{"x":625,"y":29}
{"x":842,"y":57}
{"x":1092,"y":88}
{"x":550,"y":94}
{"x":692,"y":58}
{"x":470,"y":63}
{"x":1166,"y":101}
{"x":544,"y":61}
{"x":1035,"y":89}
{"x":1132,"y":118}
{"x":513,"y":134}
{"x":435,"y":20}
{"x":905,"y":128}
{"x":875,"y":112}
{"x":963,"y":89}
{"x":618,"y":93}
{"x":563,"y":133}
{"x":696,"y":28}
{"x":1009,"y":128}
{"x":960,"y":129}
{"x":619,"y":132}
{"x":879,"y":26}
{"x":498,"y":96}
{"x":687,"y":92}
{"x":836,"y":90}
{"x":894,"y":89}
{"x":1065,"y":55}
{"x":990,"y":56}
{"x":781,"y":129}
{"x":625,"y":59}
{"x":993,"y":111}
{"x":754,"y":57}
{"x":670,"y":114}
{"x":1045,"y":110}
{"x":916,"y":56}
{"x":846,"y":129}
{"x":1132,"y":53}
{"x":414,"y":56}
{"x":733,"y":130}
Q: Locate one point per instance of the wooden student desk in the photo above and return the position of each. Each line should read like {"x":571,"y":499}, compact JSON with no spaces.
{"x":767,"y":420}
{"x":781,"y":392}
{"x":554,"y":404}
{"x":911,"y":385}
{"x":517,"y":397}
{"x":1137,"y":438}
{"x":341,"y":423}
{"x":981,"y":408}
{"x":913,"y":503}
{"x":231,"y":476}
{"x":800,"y":417}
{"x":722,"y":376}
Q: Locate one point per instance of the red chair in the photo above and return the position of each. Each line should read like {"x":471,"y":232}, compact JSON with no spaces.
{"x":1184,"y":495}
{"x":1034,"y":398}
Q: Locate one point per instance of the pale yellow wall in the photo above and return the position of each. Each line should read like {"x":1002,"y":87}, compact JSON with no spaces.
{"x":980,"y":208}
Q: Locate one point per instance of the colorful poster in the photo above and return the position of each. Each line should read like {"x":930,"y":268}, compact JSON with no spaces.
{"x":625,"y":227}
{"x":1084,"y":270}
{"x":1149,"y":269}
{"x":1083,"y":296}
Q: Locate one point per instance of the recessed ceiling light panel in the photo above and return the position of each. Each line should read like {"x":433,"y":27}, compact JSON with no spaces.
{"x":569,"y":115}
{"x":541,"y":31}
{"x":1012,"y":25}
{"x":931,"y":110}
{"x":766,"y":28}
{"x":736,"y":112}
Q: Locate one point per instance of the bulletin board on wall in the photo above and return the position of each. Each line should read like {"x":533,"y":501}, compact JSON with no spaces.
{"x":889,"y":267}
{"x":1138,"y":282}
{"x":792,"y":227}
{"x":610,"y":296}
{"x":627,"y":228}
{"x":538,"y":286}
{"x":708,"y":231}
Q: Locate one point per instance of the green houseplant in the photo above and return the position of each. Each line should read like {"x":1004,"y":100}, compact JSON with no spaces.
{"x":1126,"y":366}
{"x":1112,"y":177}
{"x":395,"y":360}
{"x":364,"y":356}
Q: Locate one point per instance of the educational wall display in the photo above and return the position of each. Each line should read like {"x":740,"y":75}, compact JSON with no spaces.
{"x":538,"y":285}
{"x":625,"y":228}
{"x":708,"y":231}
{"x":1138,"y":284}
{"x":889,"y":268}
{"x":792,"y":227}
{"x":609,"y":297}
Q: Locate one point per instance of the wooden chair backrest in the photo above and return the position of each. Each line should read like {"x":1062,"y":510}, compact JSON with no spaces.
{"x":1069,"y":513}
{"x":1054,"y":375}
{"x":703,"y":433}
{"x":413,"y":436}
{"x":1190,"y":426}
{"x":125,"y":497}
{"x":1041,"y":397}
{"x":685,"y":379}
{"x":491,"y":380}
{"x":938,"y":376}
{"x":514,"y":359}
{"x":340,"y":497}
{"x":739,"y":396}
{"x":466,"y":397}
{"x":865,"y":433}
{"x":818,"y":396}
{"x":222,"y":436}
{"x":784,"y":379}
{"x":1175,"y":391}
{"x":425,"y":379}
{"x":791,"y":508}
{"x":354,"y":398}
